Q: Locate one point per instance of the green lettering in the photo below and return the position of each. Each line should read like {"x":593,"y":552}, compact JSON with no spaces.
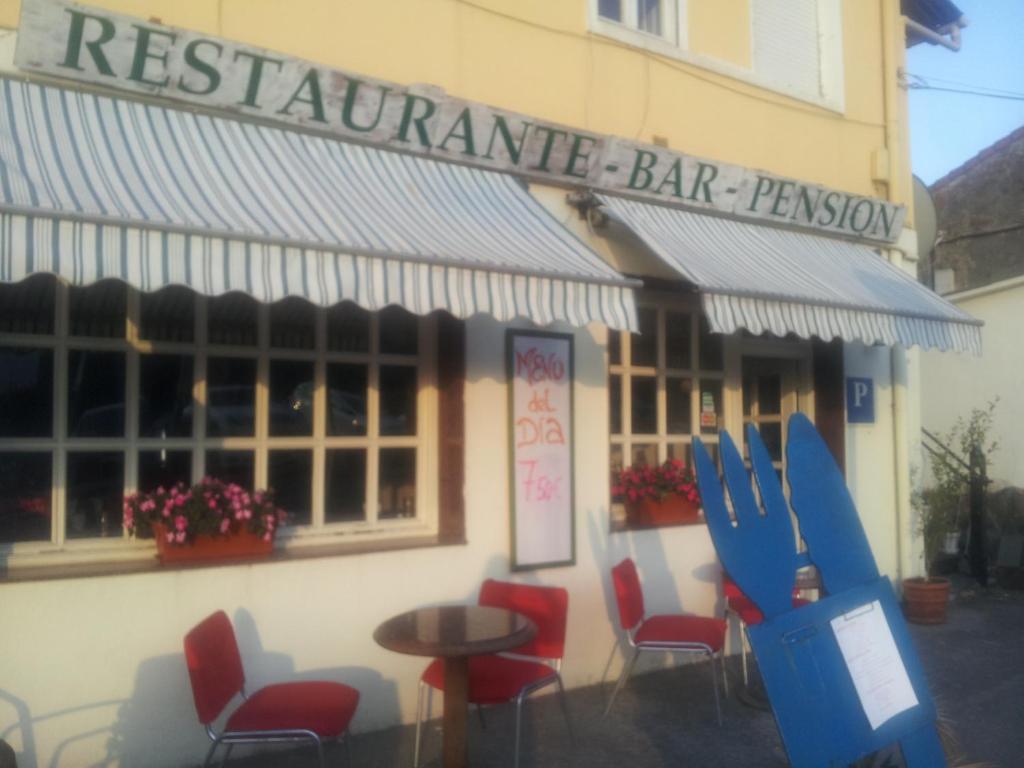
{"x":514,"y":150}
{"x":310,"y":82}
{"x":192,"y":60}
{"x":828,"y":206}
{"x":408,"y":118}
{"x":75,"y":37}
{"x":842,"y":217}
{"x":886,"y":217}
{"x":576,"y":153}
{"x":700,"y":181}
{"x":252,"y":90}
{"x":642,"y":167}
{"x":545,"y":154}
{"x":804,"y":199}
{"x":781,"y":197}
{"x":465,"y":121}
{"x":764,"y":186}
{"x":349,"y":105}
{"x":143,"y":54}
{"x":674,"y":177}
{"x":856,"y":210}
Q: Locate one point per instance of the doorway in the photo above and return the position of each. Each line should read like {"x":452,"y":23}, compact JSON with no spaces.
{"x":771,"y":394}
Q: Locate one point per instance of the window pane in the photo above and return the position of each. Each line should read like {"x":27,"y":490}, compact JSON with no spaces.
{"x":290,"y":476}
{"x":25,"y":482}
{"x":230,"y":396}
{"x":95,"y":492}
{"x":397,"y":400}
{"x":678,"y":393}
{"x":348,"y":328}
{"x":165,"y":396}
{"x":163,"y":469}
{"x":610,"y":9}
{"x":678,"y":342}
{"x":292,"y":324}
{"x":644,"y":405}
{"x":98,"y":310}
{"x":399,"y":331}
{"x":680,"y":451}
{"x":346,"y":485}
{"x":649,"y":16}
{"x":645,"y":343}
{"x":291,"y":397}
{"x":232,"y":319}
{"x":95,"y":393}
{"x":26,"y":392}
{"x":769,"y":394}
{"x":710,"y":348}
{"x":614,"y":348}
{"x":710,"y":407}
{"x":397,"y":493}
{"x":28,"y":306}
{"x":615,"y":404}
{"x":644,"y":455}
{"x":232,"y":467}
{"x":168,"y":315}
{"x":346,"y":399}
{"x":771,"y":435}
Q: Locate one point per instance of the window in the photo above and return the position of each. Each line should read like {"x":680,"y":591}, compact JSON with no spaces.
{"x":105,"y":390}
{"x":656,"y":18}
{"x":665,"y":385}
{"x":794,"y":47}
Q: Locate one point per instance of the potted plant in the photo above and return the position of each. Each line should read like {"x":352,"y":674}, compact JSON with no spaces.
{"x":925,"y":597}
{"x":212,"y":520}
{"x":656,"y":496}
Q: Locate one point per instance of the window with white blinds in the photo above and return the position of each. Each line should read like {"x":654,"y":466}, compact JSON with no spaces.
{"x":786,"y":45}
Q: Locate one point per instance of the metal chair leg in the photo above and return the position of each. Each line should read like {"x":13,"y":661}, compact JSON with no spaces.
{"x":209,"y":753}
{"x":480,"y":714}
{"x":519,"y":726}
{"x":419,"y":725}
{"x":743,"y":652}
{"x":565,"y":710}
{"x":626,"y":670}
{"x":714,"y":687}
{"x":227,"y":755}
{"x":348,"y":749}
{"x":320,"y":753}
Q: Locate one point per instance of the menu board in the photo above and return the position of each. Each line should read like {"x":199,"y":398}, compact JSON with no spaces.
{"x":540,"y":374}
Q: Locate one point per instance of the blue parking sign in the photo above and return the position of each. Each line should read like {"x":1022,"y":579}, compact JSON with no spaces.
{"x":860,"y":400}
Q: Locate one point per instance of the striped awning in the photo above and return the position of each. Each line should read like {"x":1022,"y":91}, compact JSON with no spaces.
{"x":768,"y":280}
{"x":94,"y":187}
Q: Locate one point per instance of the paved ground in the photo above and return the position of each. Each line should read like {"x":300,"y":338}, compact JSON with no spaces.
{"x":975,"y":665}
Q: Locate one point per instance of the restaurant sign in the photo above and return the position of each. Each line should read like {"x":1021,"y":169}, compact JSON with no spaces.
{"x":96,"y":46}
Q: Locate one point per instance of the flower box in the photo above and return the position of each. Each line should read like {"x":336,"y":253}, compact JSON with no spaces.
{"x":673,"y":509}
{"x":243,"y":544}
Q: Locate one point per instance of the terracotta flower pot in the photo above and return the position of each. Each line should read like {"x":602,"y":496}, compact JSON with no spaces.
{"x":671,"y":510}
{"x":925,"y":599}
{"x":237,"y":546}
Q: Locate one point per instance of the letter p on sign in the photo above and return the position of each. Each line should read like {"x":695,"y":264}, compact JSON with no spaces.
{"x":860,"y":400}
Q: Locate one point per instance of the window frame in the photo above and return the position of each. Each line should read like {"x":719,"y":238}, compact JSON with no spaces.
{"x":60,"y":549}
{"x":830,"y":56}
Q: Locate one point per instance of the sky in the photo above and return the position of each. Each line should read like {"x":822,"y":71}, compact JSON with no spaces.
{"x":947,"y":129}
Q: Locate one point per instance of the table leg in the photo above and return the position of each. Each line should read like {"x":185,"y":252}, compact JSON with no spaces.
{"x":456,"y":694}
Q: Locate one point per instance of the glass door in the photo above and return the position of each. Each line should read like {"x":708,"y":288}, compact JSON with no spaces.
{"x":770,"y":397}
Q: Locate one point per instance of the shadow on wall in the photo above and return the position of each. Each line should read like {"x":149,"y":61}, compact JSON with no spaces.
{"x":159,"y":718}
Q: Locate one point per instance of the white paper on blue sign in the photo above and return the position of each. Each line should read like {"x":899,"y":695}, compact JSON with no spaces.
{"x":873,"y":659}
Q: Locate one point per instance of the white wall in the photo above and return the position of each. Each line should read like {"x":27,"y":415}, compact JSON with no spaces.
{"x":92,"y":668}
{"x":953,"y":385}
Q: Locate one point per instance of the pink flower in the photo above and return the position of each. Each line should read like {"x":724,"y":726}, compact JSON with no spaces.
{"x":169,"y":536}
{"x":225,"y":525}
{"x":180,"y":523}
{"x":180,"y":537}
{"x":267,"y":536}
{"x":212,"y":504}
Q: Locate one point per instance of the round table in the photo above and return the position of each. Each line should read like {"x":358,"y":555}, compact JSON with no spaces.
{"x":454,"y":633}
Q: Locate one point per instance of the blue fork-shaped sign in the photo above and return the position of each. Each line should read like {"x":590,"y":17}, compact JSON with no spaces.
{"x":820,"y":709}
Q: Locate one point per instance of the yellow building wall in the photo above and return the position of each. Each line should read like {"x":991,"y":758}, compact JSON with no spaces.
{"x":538,"y":57}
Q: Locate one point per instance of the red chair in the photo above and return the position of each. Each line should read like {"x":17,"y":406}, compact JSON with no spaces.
{"x":500,"y":678}
{"x":306,"y":711}
{"x":741,"y":608}
{"x":673,"y":633}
